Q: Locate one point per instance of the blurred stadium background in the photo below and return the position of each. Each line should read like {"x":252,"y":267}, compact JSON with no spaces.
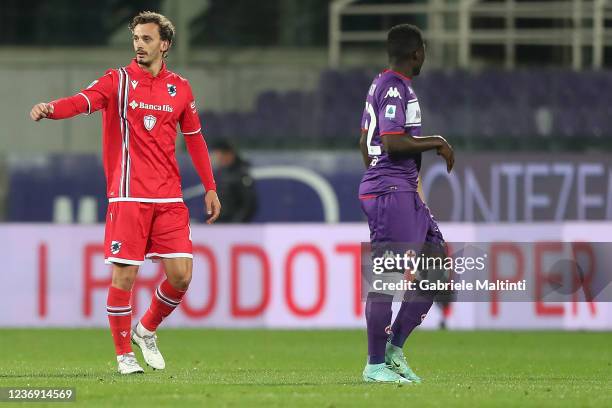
{"x":522,"y":89}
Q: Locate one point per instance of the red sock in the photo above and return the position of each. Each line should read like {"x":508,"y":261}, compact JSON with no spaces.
{"x":120,"y":318}
{"x":165,"y":300}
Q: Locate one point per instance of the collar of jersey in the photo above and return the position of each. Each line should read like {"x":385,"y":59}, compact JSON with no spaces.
{"x":396,"y":73}
{"x":137,"y":72}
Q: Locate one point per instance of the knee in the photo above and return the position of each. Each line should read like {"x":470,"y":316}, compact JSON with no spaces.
{"x":123,"y":277}
{"x":181,"y":280}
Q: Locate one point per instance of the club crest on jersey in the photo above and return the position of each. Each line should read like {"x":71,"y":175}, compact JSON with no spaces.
{"x":115,"y":247}
{"x":171,"y":90}
{"x":390,"y":111}
{"x":149,"y":121}
{"x":392,"y":92}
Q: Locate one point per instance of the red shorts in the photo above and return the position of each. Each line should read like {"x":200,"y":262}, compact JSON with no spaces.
{"x":137,"y":230}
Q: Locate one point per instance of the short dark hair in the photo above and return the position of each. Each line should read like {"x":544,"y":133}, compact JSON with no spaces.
{"x":224,"y":145}
{"x":402,"y":40}
{"x":166,"y":28}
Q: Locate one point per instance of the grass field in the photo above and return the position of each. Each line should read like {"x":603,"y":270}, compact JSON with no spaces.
{"x":316,"y":368}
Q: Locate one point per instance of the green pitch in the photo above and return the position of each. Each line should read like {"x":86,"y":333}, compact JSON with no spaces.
{"x":316,"y":369}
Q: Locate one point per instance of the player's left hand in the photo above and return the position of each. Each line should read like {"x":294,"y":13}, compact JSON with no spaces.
{"x":213,"y":206}
{"x":446,"y":151}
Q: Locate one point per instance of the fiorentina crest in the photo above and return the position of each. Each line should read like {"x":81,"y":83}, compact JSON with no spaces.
{"x":149,"y":121}
{"x":171,"y":89}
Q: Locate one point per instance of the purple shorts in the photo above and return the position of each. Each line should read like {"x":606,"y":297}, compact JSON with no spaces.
{"x":400,"y":217}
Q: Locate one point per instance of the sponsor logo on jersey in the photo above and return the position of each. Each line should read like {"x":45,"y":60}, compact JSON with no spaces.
{"x":134,"y":83}
{"x":392,"y":92}
{"x":142,"y":105}
{"x":115,"y":247}
{"x":390,"y":111}
{"x":192,"y":106}
{"x":413,"y":114}
{"x":149,"y":121}
{"x":171,"y":90}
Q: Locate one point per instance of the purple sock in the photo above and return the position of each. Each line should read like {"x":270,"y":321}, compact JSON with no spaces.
{"x":411,"y":314}
{"x":378,"y":317}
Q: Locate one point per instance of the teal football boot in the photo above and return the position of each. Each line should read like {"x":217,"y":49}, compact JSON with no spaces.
{"x":379,"y":373}
{"x":396,"y":361}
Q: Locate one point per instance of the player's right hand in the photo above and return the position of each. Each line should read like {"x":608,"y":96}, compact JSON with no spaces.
{"x":40,"y":111}
{"x":446,"y":151}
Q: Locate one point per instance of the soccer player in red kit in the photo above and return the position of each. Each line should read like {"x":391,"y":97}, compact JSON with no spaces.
{"x":141,"y":104}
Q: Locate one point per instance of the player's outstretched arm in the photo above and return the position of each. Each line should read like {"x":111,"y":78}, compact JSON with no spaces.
{"x":406,"y":144}
{"x":41,"y":111}
{"x":63,"y":108}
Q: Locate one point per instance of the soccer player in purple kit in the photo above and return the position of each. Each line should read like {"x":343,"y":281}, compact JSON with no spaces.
{"x":391,"y":145}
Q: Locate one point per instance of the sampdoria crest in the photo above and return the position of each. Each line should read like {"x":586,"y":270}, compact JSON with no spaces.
{"x":171,"y":89}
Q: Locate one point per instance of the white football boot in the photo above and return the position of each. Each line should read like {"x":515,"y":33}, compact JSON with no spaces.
{"x":127,"y":364}
{"x":146,"y":340}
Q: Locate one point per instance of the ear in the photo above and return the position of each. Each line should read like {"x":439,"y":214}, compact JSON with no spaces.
{"x":165,"y":45}
{"x":417,"y":54}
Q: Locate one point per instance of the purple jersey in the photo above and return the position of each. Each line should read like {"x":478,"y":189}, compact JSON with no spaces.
{"x":391,"y":108}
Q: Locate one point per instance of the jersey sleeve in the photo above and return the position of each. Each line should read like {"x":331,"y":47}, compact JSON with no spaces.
{"x":99,"y":92}
{"x":189,"y":120}
{"x":198,"y":150}
{"x":413,"y":115}
{"x":194,"y":140}
{"x":89,"y":100}
{"x":392,"y":100}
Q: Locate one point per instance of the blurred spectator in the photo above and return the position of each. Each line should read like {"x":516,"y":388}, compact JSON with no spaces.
{"x":235,"y":185}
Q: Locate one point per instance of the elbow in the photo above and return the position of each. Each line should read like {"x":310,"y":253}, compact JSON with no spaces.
{"x":362,"y":141}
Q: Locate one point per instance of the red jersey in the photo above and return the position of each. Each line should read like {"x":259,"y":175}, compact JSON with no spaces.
{"x":140,"y":114}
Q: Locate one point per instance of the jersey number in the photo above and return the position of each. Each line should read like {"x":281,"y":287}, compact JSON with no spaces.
{"x":372,"y":150}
